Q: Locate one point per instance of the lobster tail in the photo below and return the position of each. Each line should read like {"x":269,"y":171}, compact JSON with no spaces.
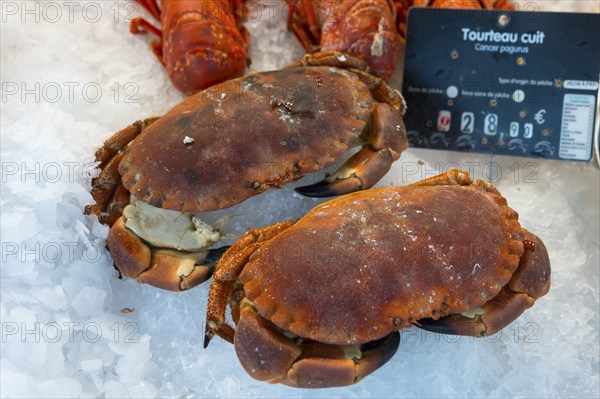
{"x":202,"y":41}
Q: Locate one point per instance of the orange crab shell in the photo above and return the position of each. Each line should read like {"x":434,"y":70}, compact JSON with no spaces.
{"x":382,"y":245}
{"x":311,"y":115}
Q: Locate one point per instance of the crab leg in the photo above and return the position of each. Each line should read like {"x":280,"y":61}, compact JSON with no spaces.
{"x":452,"y":177}
{"x":332,"y":58}
{"x":268,"y":355}
{"x":110,"y":196}
{"x":226,"y":274}
{"x":235,"y":301}
{"x":382,"y":92}
{"x":530,"y":281}
{"x":115,"y":206}
{"x":119,"y":140}
{"x":103,"y":188}
{"x":365,"y":168}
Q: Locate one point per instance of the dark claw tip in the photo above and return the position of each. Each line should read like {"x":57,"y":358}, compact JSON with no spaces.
{"x":206,"y":341}
{"x":321,"y":189}
{"x":213,"y":256}
{"x":436,"y":326}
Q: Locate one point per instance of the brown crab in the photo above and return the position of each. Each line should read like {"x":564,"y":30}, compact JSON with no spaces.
{"x":319,"y":302}
{"x":230,"y":142}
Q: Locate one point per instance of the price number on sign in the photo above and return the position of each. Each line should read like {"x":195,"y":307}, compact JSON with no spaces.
{"x":467,"y":122}
{"x":528,"y":131}
{"x":514,"y":129}
{"x":444,"y":119}
{"x":490,"y":124}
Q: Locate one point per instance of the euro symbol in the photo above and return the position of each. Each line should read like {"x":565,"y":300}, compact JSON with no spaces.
{"x":539,"y":116}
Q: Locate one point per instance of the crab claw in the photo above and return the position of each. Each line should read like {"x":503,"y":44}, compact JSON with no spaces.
{"x":321,"y":189}
{"x":530,"y":281}
{"x":362,"y":171}
{"x":167,"y":269}
{"x":268,"y":355}
{"x":386,"y":140}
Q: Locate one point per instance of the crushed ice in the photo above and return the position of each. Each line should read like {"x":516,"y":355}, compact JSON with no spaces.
{"x":66,"y":330}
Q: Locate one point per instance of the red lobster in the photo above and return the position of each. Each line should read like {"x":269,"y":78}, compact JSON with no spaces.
{"x":363,"y":28}
{"x":369,"y":29}
{"x":202,"y":42}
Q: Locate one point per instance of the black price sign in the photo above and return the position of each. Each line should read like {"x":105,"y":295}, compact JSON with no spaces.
{"x":502,"y":82}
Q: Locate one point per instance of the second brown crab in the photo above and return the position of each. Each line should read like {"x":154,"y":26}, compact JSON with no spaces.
{"x":319,"y":302}
{"x":230,"y":142}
